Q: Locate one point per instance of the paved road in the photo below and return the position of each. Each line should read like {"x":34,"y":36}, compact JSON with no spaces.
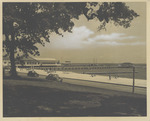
{"x":123,"y":88}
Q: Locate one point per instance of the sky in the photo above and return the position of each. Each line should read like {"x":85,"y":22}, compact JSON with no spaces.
{"x":88,"y":45}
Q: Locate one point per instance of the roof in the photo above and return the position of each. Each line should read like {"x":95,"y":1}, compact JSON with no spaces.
{"x":24,"y":58}
{"x":32,"y":59}
{"x":127,"y":63}
{"x":45,"y":59}
{"x":28,"y":58}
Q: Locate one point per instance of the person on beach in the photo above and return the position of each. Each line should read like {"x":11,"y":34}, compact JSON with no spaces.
{"x":109,"y":77}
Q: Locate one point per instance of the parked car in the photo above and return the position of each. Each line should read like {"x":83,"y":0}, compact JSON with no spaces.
{"x":54,"y":77}
{"x":33,"y":74}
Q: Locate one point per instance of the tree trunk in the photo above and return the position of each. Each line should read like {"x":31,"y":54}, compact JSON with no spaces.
{"x":12,"y":56}
{"x":13,"y":65}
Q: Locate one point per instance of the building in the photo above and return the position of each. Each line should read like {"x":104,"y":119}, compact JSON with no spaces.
{"x":67,"y":63}
{"x":29,"y":61}
{"x":48,"y":62}
{"x":126,"y":65}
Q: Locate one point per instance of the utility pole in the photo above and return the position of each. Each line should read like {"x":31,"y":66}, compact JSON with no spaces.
{"x":133,"y":79}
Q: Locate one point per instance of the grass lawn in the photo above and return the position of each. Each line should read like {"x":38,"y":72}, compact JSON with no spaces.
{"x":25,"y":98}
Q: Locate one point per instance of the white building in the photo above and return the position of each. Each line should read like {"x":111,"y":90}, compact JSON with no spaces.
{"x":29,"y":61}
{"x":48,"y":62}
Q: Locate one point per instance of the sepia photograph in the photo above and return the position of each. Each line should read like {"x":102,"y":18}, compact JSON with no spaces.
{"x":74,"y":59}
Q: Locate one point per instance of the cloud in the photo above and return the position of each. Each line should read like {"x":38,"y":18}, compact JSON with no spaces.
{"x":81,"y":38}
{"x":111,"y":37}
{"x":72,"y":40}
{"x":114,"y":43}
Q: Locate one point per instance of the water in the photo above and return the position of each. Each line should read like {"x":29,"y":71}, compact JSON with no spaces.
{"x":140,"y":69}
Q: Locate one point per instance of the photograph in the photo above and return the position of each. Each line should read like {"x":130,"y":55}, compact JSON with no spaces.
{"x":74,"y":59}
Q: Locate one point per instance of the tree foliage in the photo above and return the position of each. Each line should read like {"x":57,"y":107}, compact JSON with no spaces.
{"x":27,"y":24}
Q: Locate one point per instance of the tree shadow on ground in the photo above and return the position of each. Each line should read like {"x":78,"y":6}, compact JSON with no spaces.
{"x":30,"y":101}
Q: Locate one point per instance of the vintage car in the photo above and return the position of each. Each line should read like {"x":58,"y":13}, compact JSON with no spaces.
{"x":33,"y":74}
{"x":54,"y":77}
